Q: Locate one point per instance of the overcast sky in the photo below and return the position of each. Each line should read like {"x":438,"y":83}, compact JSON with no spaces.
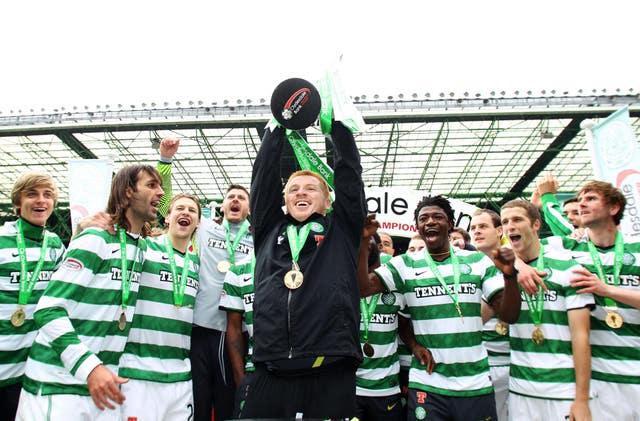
{"x":66,"y":53}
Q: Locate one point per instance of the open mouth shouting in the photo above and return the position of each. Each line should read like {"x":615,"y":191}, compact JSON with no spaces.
{"x":515,"y":239}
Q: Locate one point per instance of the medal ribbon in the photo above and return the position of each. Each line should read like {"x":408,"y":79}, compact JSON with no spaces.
{"x":618,"y":251}
{"x":367,"y":309}
{"x":536,"y":305}
{"x":179,"y":284}
{"x":455,"y":263}
{"x":232,"y":246}
{"x":297,"y":239}
{"x":126,"y":281}
{"x":28,"y":283}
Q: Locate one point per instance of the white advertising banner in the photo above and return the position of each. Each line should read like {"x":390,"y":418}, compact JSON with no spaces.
{"x":617,"y":160}
{"x":89,"y":184}
{"x":395,"y":206}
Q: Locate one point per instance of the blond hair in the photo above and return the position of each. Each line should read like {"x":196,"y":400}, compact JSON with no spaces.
{"x":28,"y":181}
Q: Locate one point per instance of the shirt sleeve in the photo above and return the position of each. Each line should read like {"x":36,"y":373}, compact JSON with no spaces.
{"x":389,"y":274}
{"x":164,"y":168}
{"x":231,"y":296}
{"x":492,"y":279}
{"x":553,"y":216}
{"x":68,"y":285}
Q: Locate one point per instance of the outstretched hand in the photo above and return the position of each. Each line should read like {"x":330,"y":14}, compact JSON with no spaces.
{"x":504,"y":259}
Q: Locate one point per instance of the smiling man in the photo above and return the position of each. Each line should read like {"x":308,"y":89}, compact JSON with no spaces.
{"x":156,"y":357}
{"x":550,"y":355}
{"x":221,"y":243}
{"x":84,"y":315}
{"x":611,"y":272}
{"x":443,"y":288}
{"x":306,"y":308}
{"x":29,"y":254}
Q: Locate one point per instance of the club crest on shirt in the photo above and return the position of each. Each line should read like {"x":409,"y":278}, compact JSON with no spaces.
{"x":316,"y":226}
{"x":465,"y":269}
{"x":388,"y":298}
{"x":53,"y":254}
{"x":628,"y":259}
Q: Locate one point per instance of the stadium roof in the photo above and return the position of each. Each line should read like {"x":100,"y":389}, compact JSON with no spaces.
{"x":481,"y":149}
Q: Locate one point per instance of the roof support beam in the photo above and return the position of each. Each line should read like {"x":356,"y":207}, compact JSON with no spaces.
{"x":75,"y":145}
{"x":570,"y":131}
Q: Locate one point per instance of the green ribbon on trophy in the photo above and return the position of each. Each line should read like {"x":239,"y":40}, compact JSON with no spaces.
{"x":336,"y":103}
{"x":308,"y":159}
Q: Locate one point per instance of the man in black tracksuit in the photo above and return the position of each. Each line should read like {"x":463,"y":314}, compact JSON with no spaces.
{"x":306,"y":343}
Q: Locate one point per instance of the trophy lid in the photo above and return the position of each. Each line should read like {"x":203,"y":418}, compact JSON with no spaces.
{"x":295,"y":103}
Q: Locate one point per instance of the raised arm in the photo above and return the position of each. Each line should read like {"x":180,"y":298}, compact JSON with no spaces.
{"x":168,"y":148}
{"x":368,"y":282}
{"x":266,"y":184}
{"x":509,"y":307}
{"x":349,"y":206}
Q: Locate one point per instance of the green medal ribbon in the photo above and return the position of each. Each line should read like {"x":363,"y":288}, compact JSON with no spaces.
{"x":367,"y":309}
{"x":536,"y":305}
{"x":232,"y":246}
{"x":179,"y":284}
{"x":618,"y":250}
{"x":28,"y":283}
{"x":455,"y":263}
{"x":126,"y":282}
{"x":308,"y":159}
{"x":297,"y":239}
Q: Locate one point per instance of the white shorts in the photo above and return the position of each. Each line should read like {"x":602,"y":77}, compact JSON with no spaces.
{"x":524,"y":408}
{"x":615,"y":401}
{"x":500,"y":380}
{"x":146,"y":401}
{"x":62,"y":408}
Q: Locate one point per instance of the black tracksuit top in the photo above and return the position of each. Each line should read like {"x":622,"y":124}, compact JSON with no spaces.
{"x":321,"y":317}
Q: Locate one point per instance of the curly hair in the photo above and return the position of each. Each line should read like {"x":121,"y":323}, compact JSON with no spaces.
{"x":439,"y":201}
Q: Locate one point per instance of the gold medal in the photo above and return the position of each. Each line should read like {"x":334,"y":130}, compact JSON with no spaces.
{"x":502,"y":328}
{"x":293,"y":279}
{"x":537,"y":336}
{"x":224,"y":266}
{"x":368,"y":349}
{"x":613,"y":320}
{"x":18,"y":317}
{"x":122,"y":321}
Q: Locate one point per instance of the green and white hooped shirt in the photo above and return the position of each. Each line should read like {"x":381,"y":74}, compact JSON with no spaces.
{"x":378,"y":375}
{"x":547,"y":370}
{"x":237,"y":295}
{"x":159,"y":342}
{"x":16,"y":340}
{"x":456,"y":344}
{"x":79,"y":312}
{"x":615,"y":353}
